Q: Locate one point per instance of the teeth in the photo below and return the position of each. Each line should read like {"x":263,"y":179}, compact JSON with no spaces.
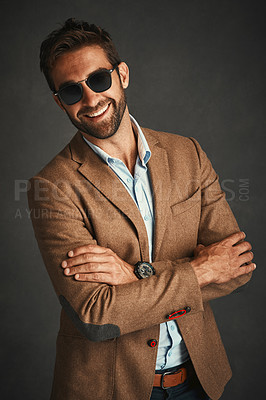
{"x":99,"y":112}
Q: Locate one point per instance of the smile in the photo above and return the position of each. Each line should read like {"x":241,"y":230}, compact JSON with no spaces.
{"x":98,"y":113}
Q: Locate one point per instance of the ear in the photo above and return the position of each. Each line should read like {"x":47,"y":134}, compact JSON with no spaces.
{"x":124,"y":74}
{"x":58,"y":102}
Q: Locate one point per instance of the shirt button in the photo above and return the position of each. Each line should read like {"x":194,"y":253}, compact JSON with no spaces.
{"x":170,"y":353}
{"x":152,"y":342}
{"x":128,"y":180}
{"x":146,"y":218}
{"x":172,"y":327}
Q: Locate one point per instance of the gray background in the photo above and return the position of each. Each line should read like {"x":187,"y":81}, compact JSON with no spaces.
{"x":197,"y":69}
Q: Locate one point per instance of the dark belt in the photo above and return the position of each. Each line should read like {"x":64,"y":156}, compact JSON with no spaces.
{"x":170,"y":379}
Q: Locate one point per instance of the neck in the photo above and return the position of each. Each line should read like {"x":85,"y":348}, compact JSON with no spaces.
{"x":122,"y":145}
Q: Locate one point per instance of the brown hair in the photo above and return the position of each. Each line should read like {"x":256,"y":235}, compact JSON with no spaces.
{"x":71,"y":35}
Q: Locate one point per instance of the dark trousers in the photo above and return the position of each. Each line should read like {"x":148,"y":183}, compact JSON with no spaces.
{"x":191,"y":389}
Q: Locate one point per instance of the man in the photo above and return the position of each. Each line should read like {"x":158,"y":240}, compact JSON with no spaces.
{"x":136,"y":236}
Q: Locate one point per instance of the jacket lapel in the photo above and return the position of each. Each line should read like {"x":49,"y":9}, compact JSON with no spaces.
{"x":95,"y":170}
{"x":105,"y":181}
{"x":161,"y":186}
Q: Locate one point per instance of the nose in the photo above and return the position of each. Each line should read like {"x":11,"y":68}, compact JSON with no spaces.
{"x":89,"y":97}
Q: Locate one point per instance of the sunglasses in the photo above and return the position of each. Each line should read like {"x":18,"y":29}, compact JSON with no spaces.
{"x":98,"y":81}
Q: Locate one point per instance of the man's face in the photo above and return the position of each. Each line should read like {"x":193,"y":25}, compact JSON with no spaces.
{"x":109,"y":106}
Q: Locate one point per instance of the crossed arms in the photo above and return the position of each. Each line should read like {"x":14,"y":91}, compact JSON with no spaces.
{"x":94,"y":283}
{"x":217,"y":263}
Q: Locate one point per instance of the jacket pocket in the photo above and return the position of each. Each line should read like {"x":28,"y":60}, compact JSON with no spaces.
{"x":186,"y":205}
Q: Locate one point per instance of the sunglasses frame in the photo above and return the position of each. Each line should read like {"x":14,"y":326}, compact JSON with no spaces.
{"x":87,"y":83}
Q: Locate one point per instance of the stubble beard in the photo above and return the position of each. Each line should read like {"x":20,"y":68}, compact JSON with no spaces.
{"x":104,"y":129}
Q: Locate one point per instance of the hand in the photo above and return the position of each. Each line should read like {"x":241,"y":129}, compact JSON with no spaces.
{"x":222,"y":261}
{"x":93,"y":263}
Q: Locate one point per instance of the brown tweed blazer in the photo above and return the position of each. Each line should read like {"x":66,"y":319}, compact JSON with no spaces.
{"x":102,"y":350}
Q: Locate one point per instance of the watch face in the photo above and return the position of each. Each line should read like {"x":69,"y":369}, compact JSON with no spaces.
{"x":145,"y":270}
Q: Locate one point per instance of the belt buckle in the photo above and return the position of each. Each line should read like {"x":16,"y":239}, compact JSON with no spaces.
{"x":168,"y":373}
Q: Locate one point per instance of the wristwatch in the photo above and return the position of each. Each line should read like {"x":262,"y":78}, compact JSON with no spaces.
{"x":143,"y":269}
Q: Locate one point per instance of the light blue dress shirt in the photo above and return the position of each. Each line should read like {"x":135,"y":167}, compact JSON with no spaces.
{"x":171,"y":347}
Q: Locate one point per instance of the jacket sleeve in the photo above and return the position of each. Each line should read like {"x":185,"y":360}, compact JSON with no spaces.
{"x":101,"y":311}
{"x":216,"y":223}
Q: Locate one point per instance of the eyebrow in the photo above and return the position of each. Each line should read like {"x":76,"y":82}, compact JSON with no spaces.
{"x":67,"y":83}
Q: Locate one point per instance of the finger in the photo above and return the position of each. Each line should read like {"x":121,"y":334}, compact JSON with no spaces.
{"x":233,"y":239}
{"x":89,"y":268}
{"x":93,"y":277}
{"x":242,"y":247}
{"x":246,"y":257}
{"x":246,"y":269}
{"x":84,"y":259}
{"x":89,"y":248}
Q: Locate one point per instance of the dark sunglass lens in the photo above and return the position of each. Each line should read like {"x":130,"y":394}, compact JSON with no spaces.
{"x":100,"y":81}
{"x":71,"y":94}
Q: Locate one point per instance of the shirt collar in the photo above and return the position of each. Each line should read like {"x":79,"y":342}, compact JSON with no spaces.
{"x":143,"y":147}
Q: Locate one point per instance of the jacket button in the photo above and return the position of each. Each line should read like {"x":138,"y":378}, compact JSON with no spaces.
{"x":152,"y":343}
{"x":188,"y":309}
